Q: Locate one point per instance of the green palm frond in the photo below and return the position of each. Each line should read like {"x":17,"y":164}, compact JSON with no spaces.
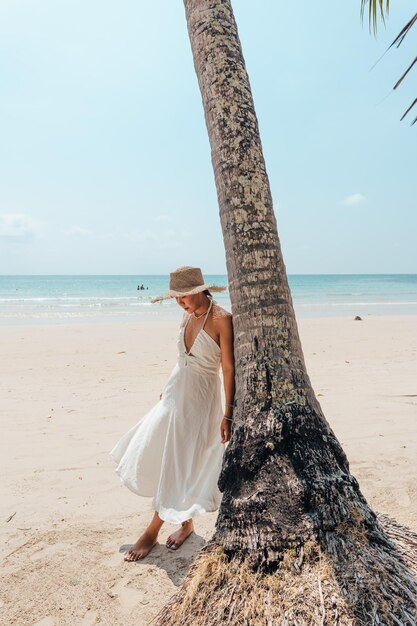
{"x":376,"y":9}
{"x":408,"y":110}
{"x":405,"y":74}
{"x":400,"y":37}
{"x":380,"y":9}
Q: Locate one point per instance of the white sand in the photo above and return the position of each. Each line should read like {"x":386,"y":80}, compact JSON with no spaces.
{"x":69,"y":392}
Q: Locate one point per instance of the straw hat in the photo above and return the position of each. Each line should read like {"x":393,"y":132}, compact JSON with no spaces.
{"x":186,"y":281}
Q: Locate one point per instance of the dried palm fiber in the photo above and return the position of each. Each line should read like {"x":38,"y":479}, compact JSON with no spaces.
{"x":219,"y":590}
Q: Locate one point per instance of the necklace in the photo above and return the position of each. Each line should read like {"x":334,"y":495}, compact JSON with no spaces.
{"x":201,"y":314}
{"x":197,"y":317}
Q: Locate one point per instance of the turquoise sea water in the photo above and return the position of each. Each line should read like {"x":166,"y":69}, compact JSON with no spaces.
{"x":29,"y":299}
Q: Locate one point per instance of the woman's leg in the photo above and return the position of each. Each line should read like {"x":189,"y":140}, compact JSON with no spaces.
{"x":146,"y":541}
{"x":176,"y":539}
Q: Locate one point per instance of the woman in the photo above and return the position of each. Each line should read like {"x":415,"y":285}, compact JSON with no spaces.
{"x":175,"y":452}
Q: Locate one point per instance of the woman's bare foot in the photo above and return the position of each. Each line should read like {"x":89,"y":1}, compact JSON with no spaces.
{"x":175,"y":540}
{"x":146,"y":541}
{"x":142,"y":547}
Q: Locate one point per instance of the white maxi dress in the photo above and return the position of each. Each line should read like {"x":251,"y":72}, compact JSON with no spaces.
{"x":174,"y":453}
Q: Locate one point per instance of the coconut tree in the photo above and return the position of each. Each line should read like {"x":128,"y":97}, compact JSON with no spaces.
{"x":378,"y":9}
{"x":295,"y":543}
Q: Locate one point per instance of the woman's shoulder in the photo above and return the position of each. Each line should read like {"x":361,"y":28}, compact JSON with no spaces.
{"x":220,"y":311}
{"x":221,"y":316}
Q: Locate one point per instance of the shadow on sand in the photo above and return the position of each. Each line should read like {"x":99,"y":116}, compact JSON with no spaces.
{"x":176,"y":563}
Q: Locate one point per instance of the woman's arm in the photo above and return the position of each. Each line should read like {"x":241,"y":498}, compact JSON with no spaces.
{"x":228,"y":369}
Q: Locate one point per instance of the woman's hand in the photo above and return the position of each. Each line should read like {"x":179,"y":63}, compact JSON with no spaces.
{"x":225,"y":428}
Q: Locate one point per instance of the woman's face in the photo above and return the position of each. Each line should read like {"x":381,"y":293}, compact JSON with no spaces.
{"x":190,"y":303}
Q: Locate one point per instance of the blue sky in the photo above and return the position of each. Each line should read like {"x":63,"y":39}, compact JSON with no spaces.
{"x":104,"y":156}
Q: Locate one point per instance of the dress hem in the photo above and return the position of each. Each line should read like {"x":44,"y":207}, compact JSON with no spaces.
{"x":195,"y":510}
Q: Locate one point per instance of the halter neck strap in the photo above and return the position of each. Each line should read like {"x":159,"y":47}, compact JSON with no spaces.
{"x":208,"y":311}
{"x":206,"y":315}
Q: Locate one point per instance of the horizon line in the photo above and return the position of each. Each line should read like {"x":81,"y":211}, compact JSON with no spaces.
{"x":218,"y":274}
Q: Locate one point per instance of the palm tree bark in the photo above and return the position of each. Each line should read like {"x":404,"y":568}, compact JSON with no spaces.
{"x":289,"y":500}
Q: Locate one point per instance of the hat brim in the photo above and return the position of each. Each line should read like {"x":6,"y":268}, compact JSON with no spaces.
{"x":175,"y":294}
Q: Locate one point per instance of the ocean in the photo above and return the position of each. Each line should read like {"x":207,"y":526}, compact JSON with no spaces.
{"x":65,"y":299}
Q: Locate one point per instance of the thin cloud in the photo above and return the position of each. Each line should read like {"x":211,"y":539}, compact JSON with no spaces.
{"x":163,"y":218}
{"x":162,"y":239}
{"x":142,"y":236}
{"x":355,"y":199}
{"x":77,"y":231}
{"x":171,"y":239}
{"x":18,"y":227}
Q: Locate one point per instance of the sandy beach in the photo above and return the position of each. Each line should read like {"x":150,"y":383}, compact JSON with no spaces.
{"x":68,"y":392}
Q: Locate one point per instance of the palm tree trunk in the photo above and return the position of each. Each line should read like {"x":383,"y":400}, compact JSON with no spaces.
{"x":290,"y":504}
